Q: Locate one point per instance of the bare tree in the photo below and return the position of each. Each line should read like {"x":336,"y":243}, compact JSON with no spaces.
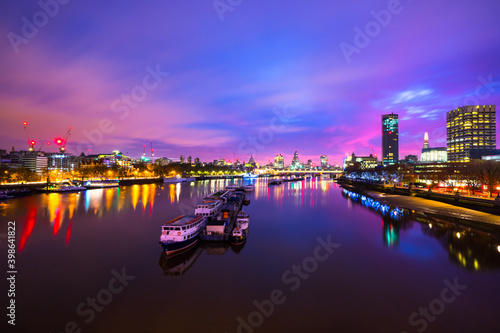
{"x":489,"y":174}
{"x":471,"y":174}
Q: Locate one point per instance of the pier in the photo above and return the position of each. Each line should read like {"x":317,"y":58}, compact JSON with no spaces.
{"x":220,"y":226}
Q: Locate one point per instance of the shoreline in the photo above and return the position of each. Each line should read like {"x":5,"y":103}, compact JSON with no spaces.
{"x":427,"y":206}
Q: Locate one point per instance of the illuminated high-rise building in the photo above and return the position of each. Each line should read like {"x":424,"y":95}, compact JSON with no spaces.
{"x":426,"y":140}
{"x":279,"y":162}
{"x":437,"y":154}
{"x":182,"y":158}
{"x":390,"y":138}
{"x":470,"y":127}
{"x":324,"y":161}
{"x":189,"y":159}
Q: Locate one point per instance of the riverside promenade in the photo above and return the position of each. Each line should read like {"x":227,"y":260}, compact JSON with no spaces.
{"x":425,"y":205}
{"x":433,"y":207}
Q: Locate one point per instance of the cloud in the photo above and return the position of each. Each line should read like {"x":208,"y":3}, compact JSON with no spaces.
{"x":411,"y":95}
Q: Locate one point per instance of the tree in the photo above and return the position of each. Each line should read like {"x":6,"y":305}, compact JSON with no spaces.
{"x":4,"y":175}
{"x":471,"y":174}
{"x":489,"y":175}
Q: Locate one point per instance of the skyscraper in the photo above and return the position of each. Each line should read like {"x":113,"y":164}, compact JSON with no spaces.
{"x":437,"y":154}
{"x":295,"y":159}
{"x":390,"y":138}
{"x":470,"y":127}
{"x":426,"y":140}
{"x":279,"y":162}
{"x":324,"y":161}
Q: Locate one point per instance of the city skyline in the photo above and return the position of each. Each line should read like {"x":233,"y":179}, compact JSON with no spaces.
{"x":251,"y":82}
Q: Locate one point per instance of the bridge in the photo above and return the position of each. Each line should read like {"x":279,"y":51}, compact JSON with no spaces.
{"x":331,"y":173}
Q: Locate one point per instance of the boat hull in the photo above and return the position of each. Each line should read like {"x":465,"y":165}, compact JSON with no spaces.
{"x":178,"y":247}
{"x":237,"y":240}
{"x":100,"y":186}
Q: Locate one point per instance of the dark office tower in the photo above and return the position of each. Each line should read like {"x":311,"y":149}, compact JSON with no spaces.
{"x":390,"y":138}
{"x":471,"y":127}
{"x":295,"y":159}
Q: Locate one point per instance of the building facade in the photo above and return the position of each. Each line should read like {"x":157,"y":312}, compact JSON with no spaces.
{"x":295,"y":160}
{"x":36,"y":163}
{"x":438,"y":154}
{"x":279,"y":162}
{"x":324,"y":161}
{"x":390,"y":138}
{"x":361,"y":162}
{"x":470,"y":127}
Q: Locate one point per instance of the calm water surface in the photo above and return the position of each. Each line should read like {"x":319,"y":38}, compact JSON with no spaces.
{"x":91,"y":261}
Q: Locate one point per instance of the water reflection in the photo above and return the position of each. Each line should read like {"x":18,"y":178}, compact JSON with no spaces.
{"x":59,"y":209}
{"x":391,"y":232}
{"x":470,"y":247}
{"x":180,"y":264}
{"x":28,"y":228}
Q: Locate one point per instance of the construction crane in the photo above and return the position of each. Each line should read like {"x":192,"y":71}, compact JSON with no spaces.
{"x":61,"y":142}
{"x":65,"y":140}
{"x":43,"y":143}
{"x":373,"y":151}
{"x":152,"y":150}
{"x":31,"y":142}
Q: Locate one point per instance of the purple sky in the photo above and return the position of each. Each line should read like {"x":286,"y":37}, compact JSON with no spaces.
{"x":261,"y":77}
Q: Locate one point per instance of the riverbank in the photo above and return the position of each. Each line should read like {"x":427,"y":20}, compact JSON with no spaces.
{"x":426,"y":205}
{"x":19,"y":190}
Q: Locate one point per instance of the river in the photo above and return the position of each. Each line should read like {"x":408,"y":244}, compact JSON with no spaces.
{"x":318,"y":259}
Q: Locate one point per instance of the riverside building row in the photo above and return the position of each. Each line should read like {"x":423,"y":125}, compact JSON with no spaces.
{"x":470,"y":134}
